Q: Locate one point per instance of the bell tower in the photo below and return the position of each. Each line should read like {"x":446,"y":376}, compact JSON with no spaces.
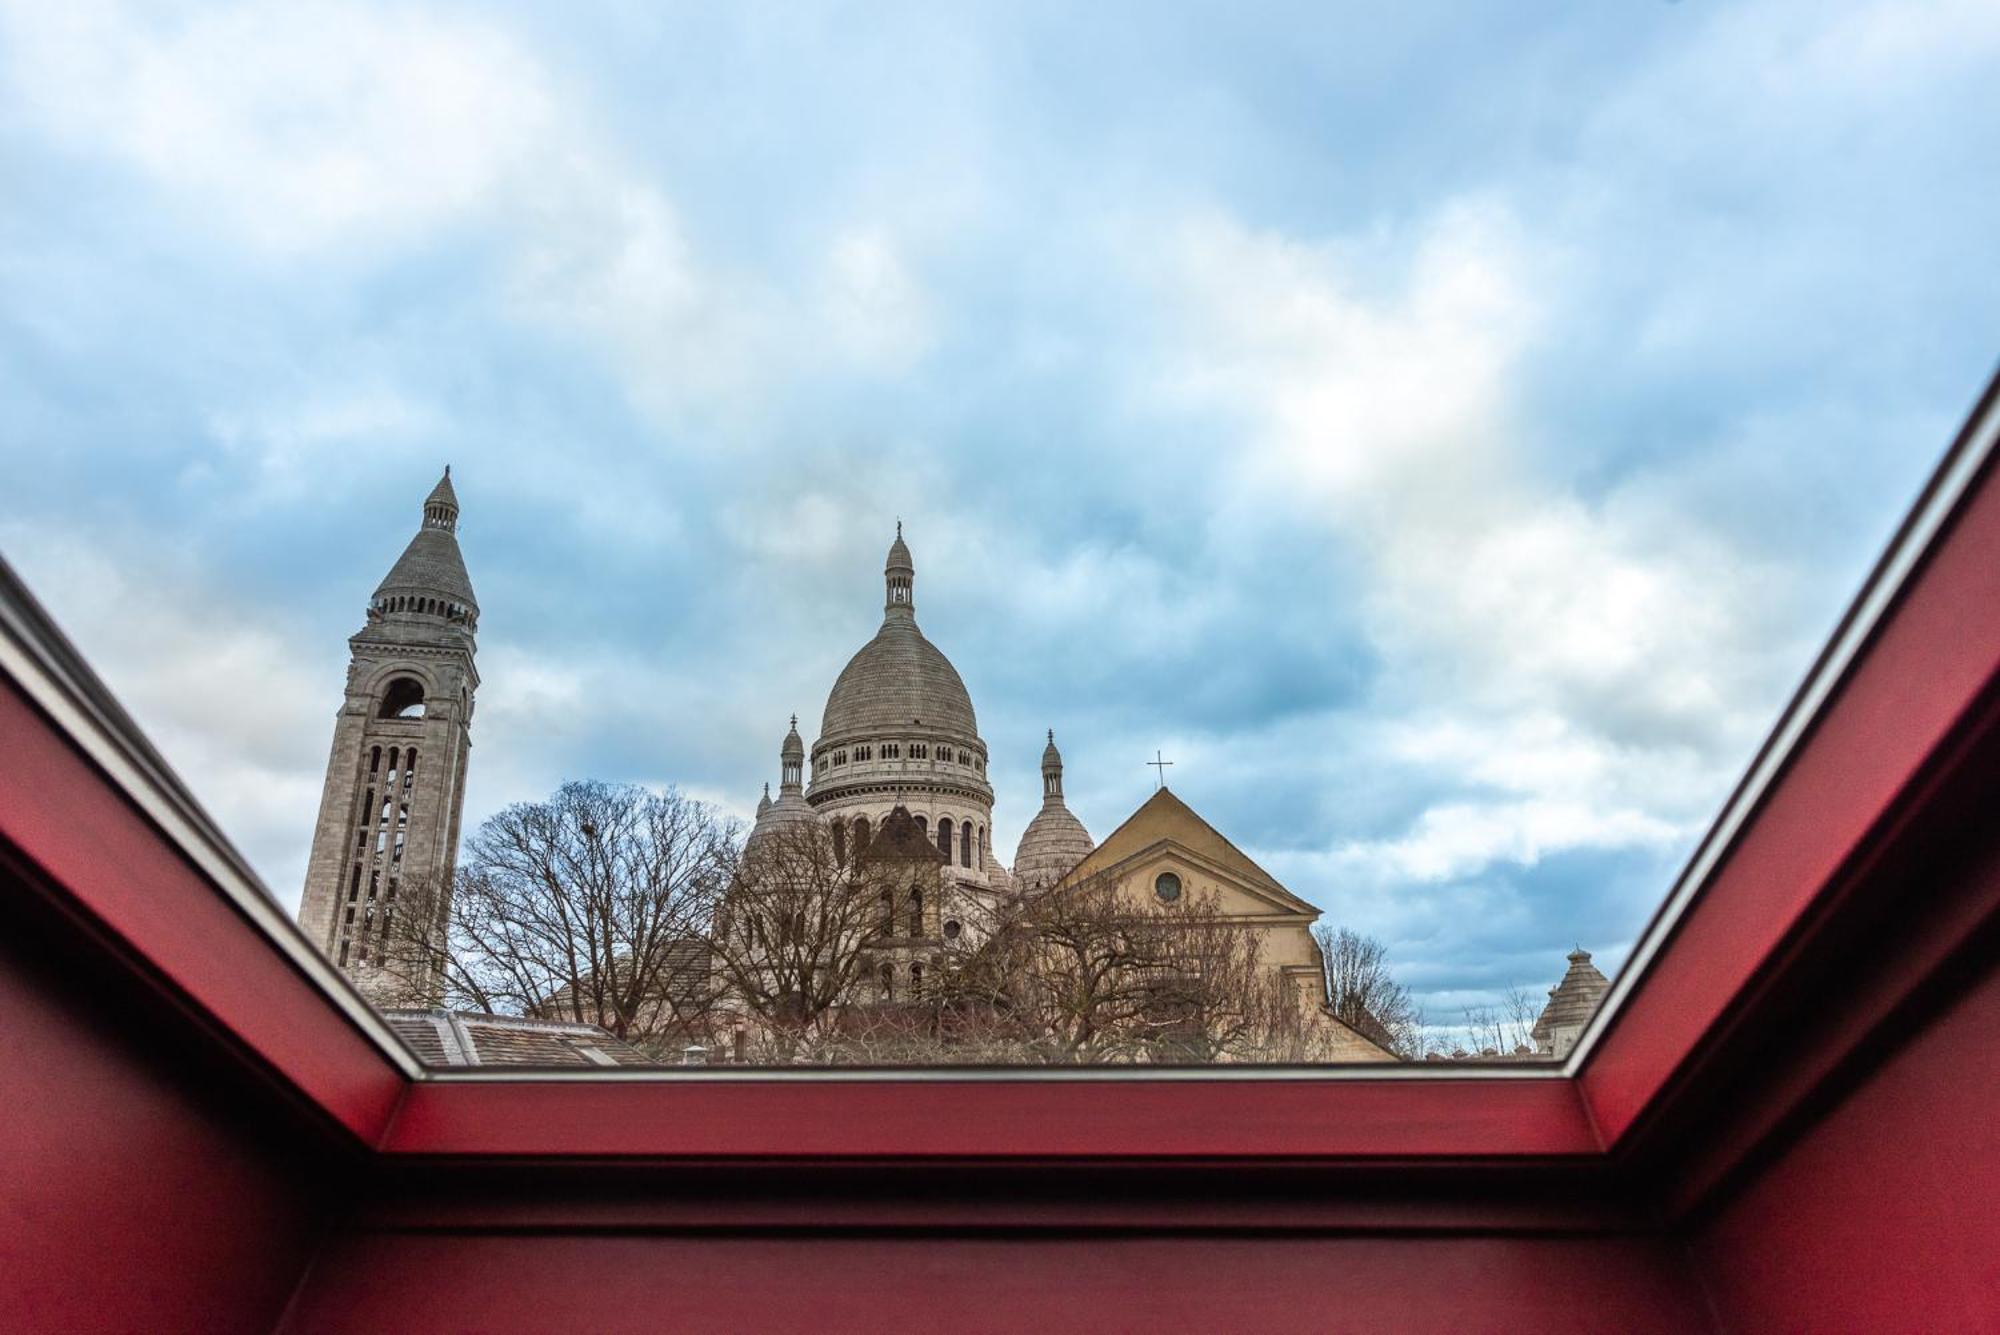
{"x":387,"y":838}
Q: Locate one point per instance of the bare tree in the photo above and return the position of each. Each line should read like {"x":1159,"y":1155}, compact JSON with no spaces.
{"x":799,"y":930}
{"x":1505,"y":1030}
{"x":592,"y":906}
{"x":1364,"y":994}
{"x":1082,"y":975}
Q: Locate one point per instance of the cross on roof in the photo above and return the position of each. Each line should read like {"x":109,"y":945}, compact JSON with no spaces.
{"x":1159,"y":769}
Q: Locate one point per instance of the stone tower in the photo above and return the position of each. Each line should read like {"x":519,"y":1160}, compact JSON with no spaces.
{"x":395,"y":782}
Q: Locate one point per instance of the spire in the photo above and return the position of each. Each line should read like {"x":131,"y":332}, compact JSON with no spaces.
{"x":1052,"y":772}
{"x":900,"y":577}
{"x":792,"y":760}
{"x":764,"y":802}
{"x":429,"y":578}
{"x":441,"y":506}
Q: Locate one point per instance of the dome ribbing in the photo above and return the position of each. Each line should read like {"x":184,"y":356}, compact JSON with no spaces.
{"x":897,"y":680}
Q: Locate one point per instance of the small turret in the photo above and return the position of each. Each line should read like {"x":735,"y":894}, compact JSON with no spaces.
{"x":899,"y":578}
{"x":790,"y":806}
{"x":1571,"y":1004}
{"x":441,"y":506}
{"x":1055,"y":839}
{"x":792,"y":761}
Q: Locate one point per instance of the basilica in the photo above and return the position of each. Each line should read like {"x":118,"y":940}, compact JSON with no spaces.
{"x":898,"y":749}
{"x":899,"y":739}
{"x":899,"y":731}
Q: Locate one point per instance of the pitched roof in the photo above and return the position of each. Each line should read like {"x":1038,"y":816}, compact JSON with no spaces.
{"x":1164,"y":817}
{"x":432,"y":563}
{"x":471,"y":1038}
{"x":900,"y":838}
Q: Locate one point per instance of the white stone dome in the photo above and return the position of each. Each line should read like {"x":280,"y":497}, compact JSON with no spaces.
{"x":898,"y":680}
{"x":1054,"y":842}
{"x":1055,"y":839}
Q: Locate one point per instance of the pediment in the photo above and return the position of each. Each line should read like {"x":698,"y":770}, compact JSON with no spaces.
{"x":1166,"y":829}
{"x":1236,"y":895}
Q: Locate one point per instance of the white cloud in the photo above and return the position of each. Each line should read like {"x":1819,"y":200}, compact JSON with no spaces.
{"x":299,"y":126}
{"x":216,"y":684}
{"x":871,"y":304}
{"x":318,"y":129}
{"x":283,"y":445}
{"x":1597,"y":672}
{"x":1453,"y":840}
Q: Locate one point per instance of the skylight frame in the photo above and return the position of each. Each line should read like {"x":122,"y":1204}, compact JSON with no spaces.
{"x":1887,"y":579}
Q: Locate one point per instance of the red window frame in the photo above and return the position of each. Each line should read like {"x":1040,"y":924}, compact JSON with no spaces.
{"x":1897,"y":715}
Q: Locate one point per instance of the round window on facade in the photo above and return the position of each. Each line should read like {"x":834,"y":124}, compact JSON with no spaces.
{"x":1167,"y":886}
{"x":952,"y":929}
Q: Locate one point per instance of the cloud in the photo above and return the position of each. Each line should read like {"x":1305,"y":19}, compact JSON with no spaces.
{"x":361,"y":132}
{"x":1453,"y":495}
{"x":1454,"y":840}
{"x":295,"y":126}
{"x":873,"y":306}
{"x":215,"y":683}
{"x":280,"y":449}
{"x":1546,"y":657}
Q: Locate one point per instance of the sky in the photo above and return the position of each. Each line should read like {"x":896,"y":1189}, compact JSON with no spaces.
{"x":1446,"y":431}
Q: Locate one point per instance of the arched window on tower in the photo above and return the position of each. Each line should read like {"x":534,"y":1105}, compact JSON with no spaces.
{"x":944,"y":838}
{"x":888,"y":977}
{"x":840,"y":842}
{"x":979,"y":848}
{"x":924,"y":826}
{"x":403,"y":699}
{"x":888,"y":914}
{"x":860,"y":836}
{"x":916,"y":913}
{"x":916,"y":979}
{"x":965,"y":844}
